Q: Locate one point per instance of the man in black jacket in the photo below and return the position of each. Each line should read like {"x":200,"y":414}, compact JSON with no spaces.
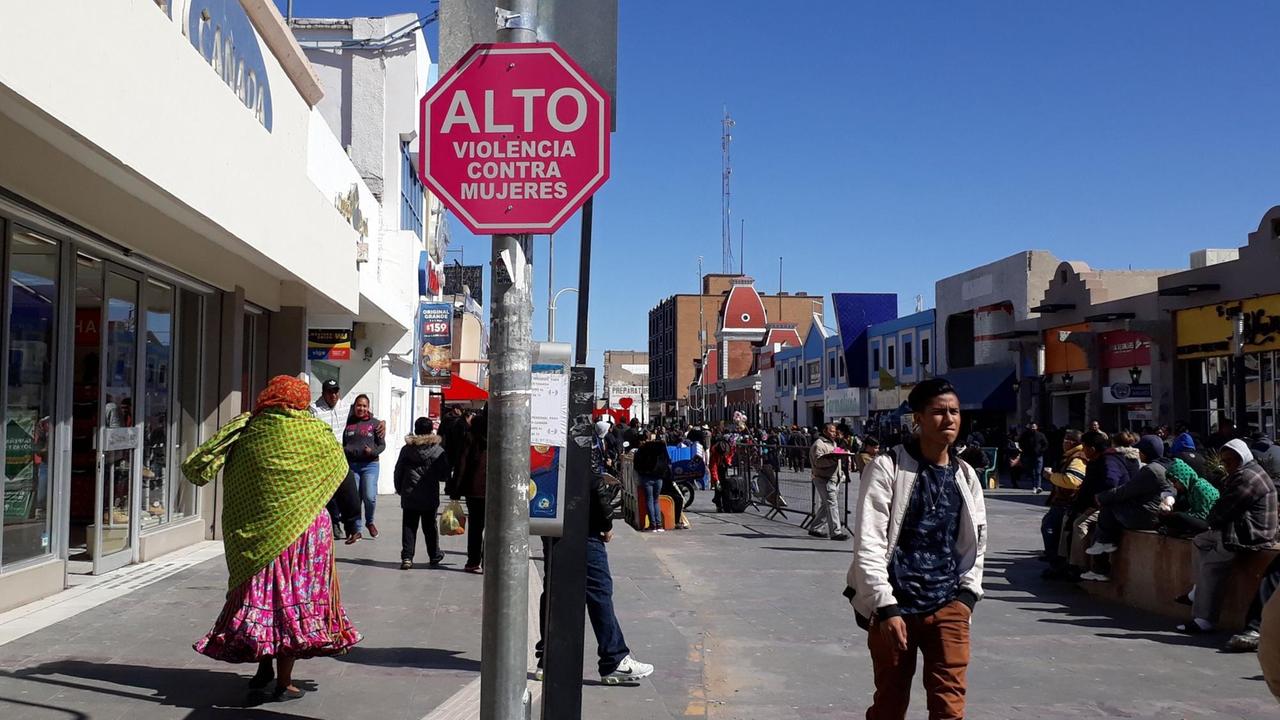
{"x":1135,"y":505}
{"x":1033,"y":445}
{"x":615,"y":662}
{"x":420,"y":469}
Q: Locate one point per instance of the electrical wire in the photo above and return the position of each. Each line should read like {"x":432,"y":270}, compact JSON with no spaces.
{"x":394,"y":36}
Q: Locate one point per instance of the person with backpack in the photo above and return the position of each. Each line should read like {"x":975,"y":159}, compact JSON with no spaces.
{"x":918,"y":558}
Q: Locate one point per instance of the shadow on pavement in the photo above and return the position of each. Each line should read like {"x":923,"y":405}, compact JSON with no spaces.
{"x":765,"y":536}
{"x":231,"y":713}
{"x":1016,"y":496}
{"x":178,"y":687}
{"x":429,"y":658}
{"x":1077,"y":607}
{"x":837,"y":549}
{"x":53,"y":711}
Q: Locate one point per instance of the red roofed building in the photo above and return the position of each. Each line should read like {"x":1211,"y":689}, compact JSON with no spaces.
{"x":729,"y":315}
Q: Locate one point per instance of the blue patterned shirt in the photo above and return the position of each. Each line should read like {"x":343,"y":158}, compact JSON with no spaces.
{"x":923,"y":569}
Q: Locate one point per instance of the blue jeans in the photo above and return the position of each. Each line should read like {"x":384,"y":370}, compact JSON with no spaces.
{"x":611,"y":647}
{"x":1051,"y":529}
{"x":367,"y":478}
{"x":652,"y":488}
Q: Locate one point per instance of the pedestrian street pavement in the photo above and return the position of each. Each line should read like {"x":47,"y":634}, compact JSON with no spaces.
{"x":742,"y":616}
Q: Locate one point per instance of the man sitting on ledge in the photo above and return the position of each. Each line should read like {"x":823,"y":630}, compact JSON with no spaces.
{"x":1135,"y":505}
{"x":1243,"y":519}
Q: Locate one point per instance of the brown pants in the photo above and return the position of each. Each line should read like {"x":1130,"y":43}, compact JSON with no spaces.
{"x":943,"y":638}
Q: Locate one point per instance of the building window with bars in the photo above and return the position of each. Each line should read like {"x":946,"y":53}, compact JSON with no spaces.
{"x":412,"y":194}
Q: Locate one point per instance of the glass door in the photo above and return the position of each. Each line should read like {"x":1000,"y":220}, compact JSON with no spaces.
{"x":106,"y":434}
{"x":120,"y":437}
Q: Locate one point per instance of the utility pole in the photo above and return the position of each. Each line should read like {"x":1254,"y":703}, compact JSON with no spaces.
{"x":551,"y":287}
{"x":504,"y":644}
{"x":779,"y":288}
{"x":726,"y":232}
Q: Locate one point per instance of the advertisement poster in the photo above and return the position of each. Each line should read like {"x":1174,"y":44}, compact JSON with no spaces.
{"x":549,"y":408}
{"x":544,"y":481}
{"x":435,"y":344}
{"x":328,"y":344}
{"x":548,"y":436}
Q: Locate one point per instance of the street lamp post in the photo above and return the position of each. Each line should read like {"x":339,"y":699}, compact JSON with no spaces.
{"x":551,"y":313}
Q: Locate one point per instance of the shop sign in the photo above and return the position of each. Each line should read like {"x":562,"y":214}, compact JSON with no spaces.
{"x":435,"y":344}
{"x":223,"y":34}
{"x":19,"y":452}
{"x":1060,"y":354}
{"x":843,"y":403}
{"x":328,"y":344}
{"x":1207,"y":331}
{"x":1125,"y":348}
{"x":1120,"y":393}
{"x":348,"y":205}
{"x":456,"y":277}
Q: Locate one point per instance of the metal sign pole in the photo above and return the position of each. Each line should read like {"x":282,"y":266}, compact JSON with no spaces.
{"x":505,"y":625}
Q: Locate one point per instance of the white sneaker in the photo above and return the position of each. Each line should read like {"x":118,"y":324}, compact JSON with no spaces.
{"x":1095,"y":577}
{"x":537,"y":674}
{"x":660,"y":530}
{"x":629,"y":670}
{"x":1101,"y":548}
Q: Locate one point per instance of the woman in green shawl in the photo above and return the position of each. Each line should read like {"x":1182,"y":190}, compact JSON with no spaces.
{"x":279,"y":466}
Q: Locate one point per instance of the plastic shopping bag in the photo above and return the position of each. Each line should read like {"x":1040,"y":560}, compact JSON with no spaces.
{"x":452,"y":520}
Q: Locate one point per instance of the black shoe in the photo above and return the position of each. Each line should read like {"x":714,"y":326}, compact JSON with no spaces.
{"x":436,"y":560}
{"x":338,"y":534}
{"x":1184,"y":599}
{"x":406,"y":564}
{"x":262,"y":679}
{"x":840,"y":536}
{"x":815,"y":533}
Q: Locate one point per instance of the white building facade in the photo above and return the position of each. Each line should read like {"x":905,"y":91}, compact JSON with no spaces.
{"x":175,"y":214}
{"x":374,"y":71}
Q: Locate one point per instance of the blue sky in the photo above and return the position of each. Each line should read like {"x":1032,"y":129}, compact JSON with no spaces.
{"x":881,"y":146}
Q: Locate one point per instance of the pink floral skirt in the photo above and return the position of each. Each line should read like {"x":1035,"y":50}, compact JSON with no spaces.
{"x":290,"y":608}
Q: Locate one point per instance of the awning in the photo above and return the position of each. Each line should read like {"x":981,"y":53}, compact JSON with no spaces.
{"x":987,"y":387}
{"x":463,"y":390}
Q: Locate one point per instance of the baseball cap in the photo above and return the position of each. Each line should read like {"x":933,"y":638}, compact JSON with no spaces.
{"x":330,"y":385}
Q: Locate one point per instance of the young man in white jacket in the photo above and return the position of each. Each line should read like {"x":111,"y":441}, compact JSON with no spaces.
{"x":917,"y":560}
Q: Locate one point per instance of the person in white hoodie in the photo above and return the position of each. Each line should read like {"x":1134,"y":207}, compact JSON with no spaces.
{"x":917,"y":561}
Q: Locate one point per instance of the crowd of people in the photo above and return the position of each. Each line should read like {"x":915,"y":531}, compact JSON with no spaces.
{"x":1220,"y":492}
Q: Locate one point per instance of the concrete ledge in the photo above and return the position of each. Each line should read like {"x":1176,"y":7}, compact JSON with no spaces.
{"x":1150,"y":570}
{"x":19,"y":587}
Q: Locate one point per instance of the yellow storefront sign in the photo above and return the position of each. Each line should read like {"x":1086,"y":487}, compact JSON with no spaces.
{"x":1206,"y":331}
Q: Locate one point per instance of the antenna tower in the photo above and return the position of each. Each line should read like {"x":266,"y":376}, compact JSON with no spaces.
{"x":726,"y":230}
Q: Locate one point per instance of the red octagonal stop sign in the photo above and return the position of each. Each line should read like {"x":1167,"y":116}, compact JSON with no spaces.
{"x":514,"y":138}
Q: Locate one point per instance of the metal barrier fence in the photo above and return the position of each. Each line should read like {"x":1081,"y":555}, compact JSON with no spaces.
{"x":781,"y":483}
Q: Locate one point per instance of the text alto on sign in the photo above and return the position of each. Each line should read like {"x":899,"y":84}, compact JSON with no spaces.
{"x":514,"y":138}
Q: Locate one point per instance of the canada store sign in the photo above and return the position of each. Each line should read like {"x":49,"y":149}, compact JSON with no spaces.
{"x":223,"y":34}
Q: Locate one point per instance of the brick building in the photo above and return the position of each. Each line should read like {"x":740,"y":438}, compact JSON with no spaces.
{"x":676,"y":323}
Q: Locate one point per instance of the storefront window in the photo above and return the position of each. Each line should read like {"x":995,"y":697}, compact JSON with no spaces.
{"x":33,"y":308}
{"x":157,"y":401}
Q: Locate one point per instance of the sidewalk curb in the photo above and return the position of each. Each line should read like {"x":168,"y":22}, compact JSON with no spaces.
{"x":465,"y":704}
